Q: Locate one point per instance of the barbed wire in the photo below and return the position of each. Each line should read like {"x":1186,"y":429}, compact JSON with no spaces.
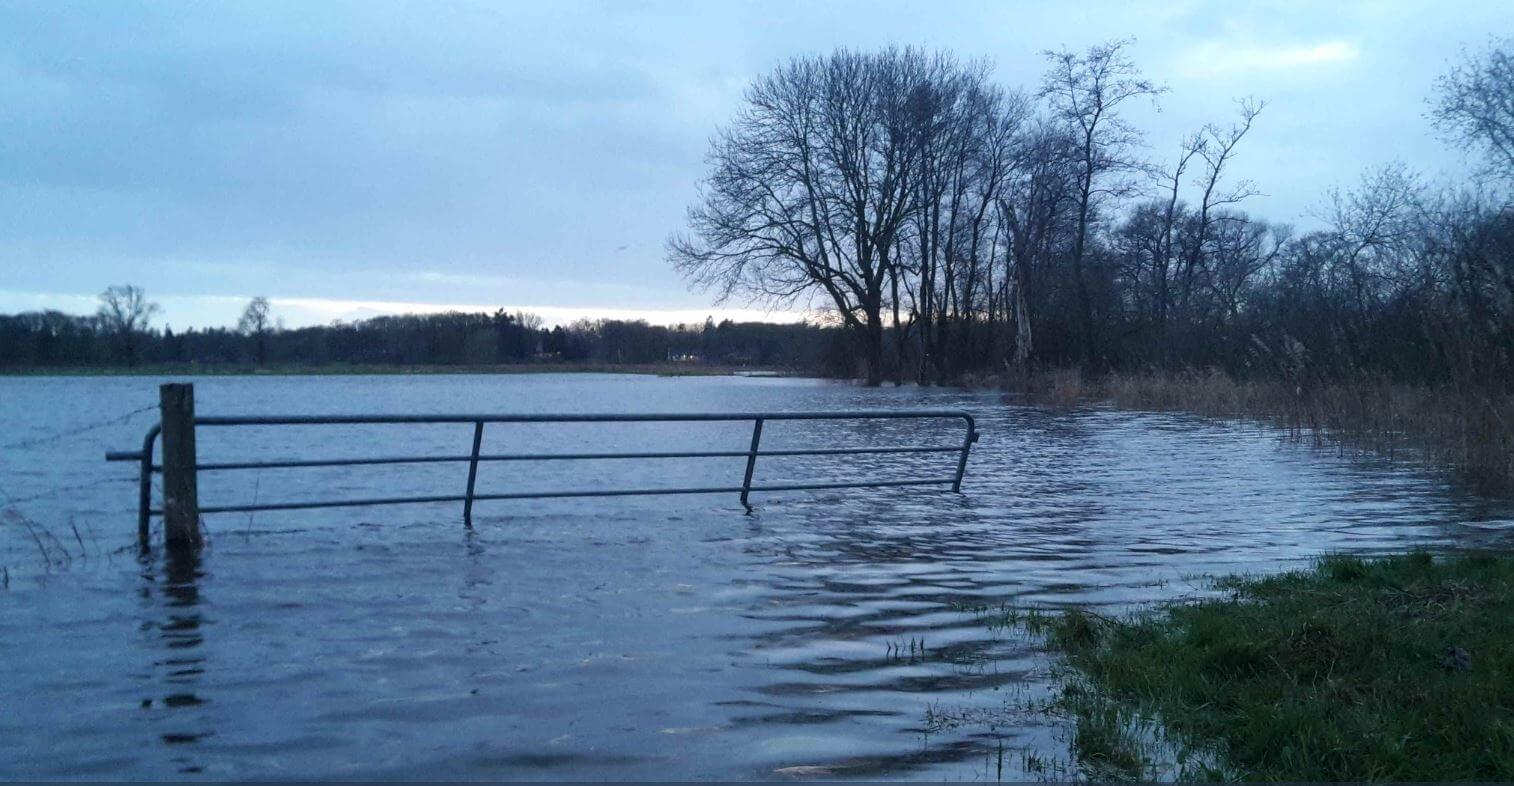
{"x":77,"y":430}
{"x":11,"y":504}
{"x":10,"y":500}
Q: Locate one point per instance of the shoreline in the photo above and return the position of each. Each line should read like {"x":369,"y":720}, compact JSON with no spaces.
{"x":342,"y":369}
{"x":1388,"y":668}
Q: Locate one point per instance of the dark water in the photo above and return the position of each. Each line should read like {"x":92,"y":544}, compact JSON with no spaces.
{"x":627,"y":638}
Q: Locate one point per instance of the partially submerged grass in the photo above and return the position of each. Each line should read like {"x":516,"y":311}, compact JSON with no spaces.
{"x":52,"y":552}
{"x":1400,"y":668}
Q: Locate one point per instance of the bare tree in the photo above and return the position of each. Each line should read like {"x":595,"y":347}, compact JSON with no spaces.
{"x":1162,"y":254}
{"x":1217,"y":147}
{"x":1369,"y":227}
{"x":1085,"y":92}
{"x":911,"y":194}
{"x":1033,"y":206}
{"x":809,"y":190}
{"x":1475,"y":104}
{"x":1243,"y":249}
{"x":255,"y":322}
{"x":125,"y":312}
{"x":1363,"y":253}
{"x":965,"y":158}
{"x":1142,"y":245}
{"x":528,"y":321}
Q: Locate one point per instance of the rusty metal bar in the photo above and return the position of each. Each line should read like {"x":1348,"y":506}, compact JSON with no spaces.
{"x":656,"y":417}
{"x":145,"y":468}
{"x":378,"y":501}
{"x":751,"y":464}
{"x":967,"y":445}
{"x":144,"y":487}
{"x":483,"y":457}
{"x":867,"y":484}
{"x":478,"y":441}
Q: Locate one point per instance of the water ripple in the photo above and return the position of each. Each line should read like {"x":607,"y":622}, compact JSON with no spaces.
{"x":826,"y":635}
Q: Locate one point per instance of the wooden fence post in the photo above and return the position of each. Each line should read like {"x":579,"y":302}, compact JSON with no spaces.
{"x":181,"y":496}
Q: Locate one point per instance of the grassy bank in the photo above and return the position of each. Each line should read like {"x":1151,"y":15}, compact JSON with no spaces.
{"x":194,"y":369}
{"x":1469,"y":431}
{"x":1399,"y":668}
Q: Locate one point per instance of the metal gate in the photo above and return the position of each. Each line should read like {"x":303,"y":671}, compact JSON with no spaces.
{"x":470,"y":494}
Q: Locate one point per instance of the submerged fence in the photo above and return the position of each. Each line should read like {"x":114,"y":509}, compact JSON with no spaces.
{"x":181,"y":509}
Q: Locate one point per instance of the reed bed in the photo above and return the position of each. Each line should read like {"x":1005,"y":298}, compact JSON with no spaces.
{"x":1469,"y":430}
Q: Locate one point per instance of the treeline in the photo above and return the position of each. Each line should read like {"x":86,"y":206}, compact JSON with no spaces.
{"x":954,"y":225}
{"x":51,"y":339}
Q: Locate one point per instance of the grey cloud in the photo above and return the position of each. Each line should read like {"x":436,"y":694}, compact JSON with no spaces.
{"x":209,"y":146}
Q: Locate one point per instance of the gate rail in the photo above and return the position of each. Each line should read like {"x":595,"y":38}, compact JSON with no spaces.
{"x":144,"y":457}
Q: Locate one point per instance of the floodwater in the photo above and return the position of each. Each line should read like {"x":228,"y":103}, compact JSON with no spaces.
{"x":828,"y":634}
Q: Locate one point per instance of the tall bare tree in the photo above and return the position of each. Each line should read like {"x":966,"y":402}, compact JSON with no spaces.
{"x":1216,"y":146}
{"x":912,"y":195}
{"x":809,"y":190}
{"x":1085,"y":92}
{"x":1160,"y":248}
{"x":125,"y":312}
{"x":1033,"y":207}
{"x":1475,"y":105}
{"x":966,"y":156}
{"x":256,"y":321}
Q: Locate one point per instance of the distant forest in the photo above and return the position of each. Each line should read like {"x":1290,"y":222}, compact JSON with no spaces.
{"x":120,"y":336}
{"x":950,"y":226}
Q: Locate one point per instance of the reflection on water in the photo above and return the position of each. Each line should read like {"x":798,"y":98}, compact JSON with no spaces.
{"x":826,"y":635}
{"x":170,"y":587}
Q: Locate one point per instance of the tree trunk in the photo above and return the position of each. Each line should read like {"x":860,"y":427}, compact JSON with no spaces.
{"x":872,"y":348}
{"x":1023,"y":337}
{"x":1080,"y":280}
{"x":899,"y":333}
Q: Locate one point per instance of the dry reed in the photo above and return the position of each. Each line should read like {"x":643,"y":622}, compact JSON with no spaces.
{"x":1468,"y":430}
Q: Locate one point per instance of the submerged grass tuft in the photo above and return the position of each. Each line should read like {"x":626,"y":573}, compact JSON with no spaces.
{"x":1399,"y":668}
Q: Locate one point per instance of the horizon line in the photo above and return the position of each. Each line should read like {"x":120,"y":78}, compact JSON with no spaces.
{"x":200,"y":312}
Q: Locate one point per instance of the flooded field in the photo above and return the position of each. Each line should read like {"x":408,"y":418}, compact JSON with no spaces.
{"x":829,"y":634}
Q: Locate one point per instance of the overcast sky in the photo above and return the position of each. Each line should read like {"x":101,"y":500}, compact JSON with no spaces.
{"x":348,"y":159}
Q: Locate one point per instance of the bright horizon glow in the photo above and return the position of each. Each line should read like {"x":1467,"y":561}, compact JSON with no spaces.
{"x":205,"y":311}
{"x":328,"y":310}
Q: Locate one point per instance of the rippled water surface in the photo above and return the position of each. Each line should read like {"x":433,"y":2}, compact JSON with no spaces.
{"x":827,"y":634}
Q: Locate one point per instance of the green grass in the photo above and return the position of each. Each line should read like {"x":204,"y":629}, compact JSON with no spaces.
{"x":1353,"y":670}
